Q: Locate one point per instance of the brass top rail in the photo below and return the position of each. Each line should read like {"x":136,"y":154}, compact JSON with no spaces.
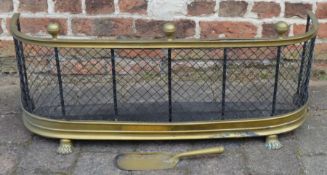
{"x":163,"y":43}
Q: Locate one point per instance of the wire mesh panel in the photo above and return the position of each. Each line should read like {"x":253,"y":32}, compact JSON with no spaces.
{"x":196,"y":84}
{"x":288,"y":79}
{"x":42,"y":84}
{"x":86,"y":83}
{"x":70,"y":83}
{"x":142,"y":84}
{"x":164,"y":84}
{"x":161,"y":85}
{"x":304,"y":73}
{"x":249,"y":82}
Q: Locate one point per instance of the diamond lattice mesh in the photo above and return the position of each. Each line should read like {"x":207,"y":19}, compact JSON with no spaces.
{"x":161,"y":85}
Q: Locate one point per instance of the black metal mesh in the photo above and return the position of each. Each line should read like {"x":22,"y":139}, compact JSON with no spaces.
{"x":160,"y":85}
{"x":87,"y":85}
{"x":144,"y":84}
{"x":196,"y":84}
{"x":250,"y":81}
{"x":42,"y":85}
{"x":288,"y":79}
{"x":142,"y":91}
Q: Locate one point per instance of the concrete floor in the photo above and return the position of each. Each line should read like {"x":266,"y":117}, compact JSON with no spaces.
{"x":304,"y":151}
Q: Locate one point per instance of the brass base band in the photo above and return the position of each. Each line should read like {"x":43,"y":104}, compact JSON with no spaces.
{"x":105,"y":130}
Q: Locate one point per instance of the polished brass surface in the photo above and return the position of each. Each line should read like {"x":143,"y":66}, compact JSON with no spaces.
{"x":53,"y":30}
{"x":65,"y":146}
{"x":162,"y":43}
{"x":214,"y":150}
{"x":169,"y":29}
{"x":105,"y":130}
{"x":281,"y":28}
{"x":155,"y":161}
{"x":272,"y":142}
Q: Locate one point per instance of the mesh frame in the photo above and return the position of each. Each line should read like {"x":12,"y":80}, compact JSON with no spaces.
{"x":163,"y":85}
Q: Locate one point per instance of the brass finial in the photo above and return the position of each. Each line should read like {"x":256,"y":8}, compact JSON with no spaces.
{"x":53,"y":30}
{"x":169,"y":29}
{"x":282,"y":28}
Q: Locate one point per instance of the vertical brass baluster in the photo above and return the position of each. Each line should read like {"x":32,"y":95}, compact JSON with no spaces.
{"x":281,"y":28}
{"x":169,"y":29}
{"x":65,"y":145}
{"x":53,"y":30}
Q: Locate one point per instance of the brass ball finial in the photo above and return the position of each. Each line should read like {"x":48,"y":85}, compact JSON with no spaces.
{"x":282,"y":28}
{"x":53,"y":29}
{"x":169,"y":29}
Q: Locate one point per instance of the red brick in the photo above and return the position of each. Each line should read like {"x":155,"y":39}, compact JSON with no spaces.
{"x":253,"y":53}
{"x":139,"y":67}
{"x":153,"y":28}
{"x":40,"y":63}
{"x":83,"y":62}
{"x":298,"y":29}
{"x":33,"y":6}
{"x":72,"y":6}
{"x":203,"y":54}
{"x":79,"y":67}
{"x":322,"y":32}
{"x":90,"y":67}
{"x":232,"y":8}
{"x":39,"y":25}
{"x":297,"y":9}
{"x":321,"y":10}
{"x":37,"y":57}
{"x":83,"y":26}
{"x":145,"y":66}
{"x":198,"y":8}
{"x":184,"y":28}
{"x":229,"y":29}
{"x":34,"y":51}
{"x":237,"y":53}
{"x":7,"y":48}
{"x":269,"y":31}
{"x":6,"y":5}
{"x":149,"y":28}
{"x":143,"y":53}
{"x":135,"y":6}
{"x":103,"y":26}
{"x":113,"y":27}
{"x":266,"y":9}
{"x":99,"y":6}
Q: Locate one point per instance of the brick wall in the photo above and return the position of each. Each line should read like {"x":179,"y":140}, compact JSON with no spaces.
{"x":144,"y":18}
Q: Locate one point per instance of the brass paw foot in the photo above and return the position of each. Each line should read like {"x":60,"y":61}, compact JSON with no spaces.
{"x":272,"y":142}
{"x":65,"y":146}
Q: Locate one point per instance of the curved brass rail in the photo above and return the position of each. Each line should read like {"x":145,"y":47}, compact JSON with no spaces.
{"x":163,"y":43}
{"x":111,"y":130}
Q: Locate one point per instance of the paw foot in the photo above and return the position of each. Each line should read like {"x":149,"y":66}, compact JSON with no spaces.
{"x":65,"y":147}
{"x":273,"y":143}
